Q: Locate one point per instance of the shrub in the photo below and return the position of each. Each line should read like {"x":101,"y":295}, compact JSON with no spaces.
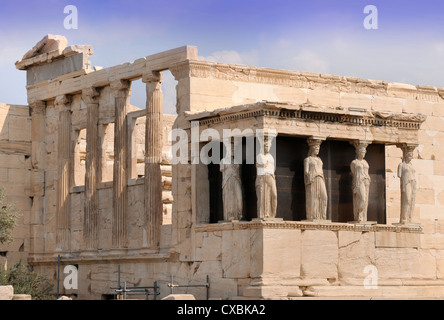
{"x":8,"y":219}
{"x":26,"y":281}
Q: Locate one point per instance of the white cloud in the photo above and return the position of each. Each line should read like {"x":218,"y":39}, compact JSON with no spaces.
{"x":309,"y":61}
{"x":233,"y":57}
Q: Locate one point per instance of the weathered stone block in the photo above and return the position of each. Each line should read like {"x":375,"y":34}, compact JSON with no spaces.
{"x":19,"y":128}
{"x":281,"y":252}
{"x":319,"y":254}
{"x":387,"y":104}
{"x":323,"y":98}
{"x":210,"y":246}
{"x":236,"y":253}
{"x":397,"y":240}
{"x":353,"y":100}
{"x":356,"y":252}
{"x":6,"y":292}
{"x":397,"y":263}
{"x":290,"y":94}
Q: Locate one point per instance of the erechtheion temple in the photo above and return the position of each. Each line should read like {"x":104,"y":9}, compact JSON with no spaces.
{"x":346,"y":183}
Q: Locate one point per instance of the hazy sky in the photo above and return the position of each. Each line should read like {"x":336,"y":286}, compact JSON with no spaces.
{"x":326,"y":36}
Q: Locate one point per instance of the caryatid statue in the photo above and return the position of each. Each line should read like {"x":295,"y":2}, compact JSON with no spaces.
{"x":231,"y":188}
{"x":361,"y":182}
{"x":407,"y":174}
{"x":266,"y":190}
{"x":315,"y":189}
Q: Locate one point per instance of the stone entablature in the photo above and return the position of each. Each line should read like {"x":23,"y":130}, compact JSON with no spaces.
{"x":308,"y":120}
{"x":305,"y":80}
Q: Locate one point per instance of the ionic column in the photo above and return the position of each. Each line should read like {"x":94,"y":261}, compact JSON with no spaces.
{"x":153,"y":159}
{"x":37,"y":241}
{"x":90,"y":226}
{"x":121,"y":90}
{"x":63,"y":235}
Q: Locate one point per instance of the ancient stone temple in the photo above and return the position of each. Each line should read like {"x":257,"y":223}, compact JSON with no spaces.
{"x":273,"y":183}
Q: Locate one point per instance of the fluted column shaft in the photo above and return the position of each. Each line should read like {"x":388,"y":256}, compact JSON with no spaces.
{"x":63,"y":235}
{"x":153,"y":159}
{"x":37,"y":241}
{"x":121,"y":90}
{"x":90,"y":231}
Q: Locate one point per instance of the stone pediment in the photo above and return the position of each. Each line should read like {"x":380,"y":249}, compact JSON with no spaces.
{"x":47,"y":44}
{"x":50,"y":48}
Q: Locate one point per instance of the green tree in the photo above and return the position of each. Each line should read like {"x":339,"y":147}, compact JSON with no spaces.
{"x":8,"y":219}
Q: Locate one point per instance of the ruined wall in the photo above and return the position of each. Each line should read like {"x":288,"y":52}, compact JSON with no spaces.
{"x":15,"y":175}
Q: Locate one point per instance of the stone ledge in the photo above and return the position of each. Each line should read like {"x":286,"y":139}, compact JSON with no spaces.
{"x":99,"y":258}
{"x":258,"y":224}
{"x":381,"y":292}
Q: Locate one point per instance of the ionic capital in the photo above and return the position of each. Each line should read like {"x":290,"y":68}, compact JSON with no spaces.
{"x":63,"y":102}
{"x":153,"y":76}
{"x":38,"y":107}
{"x":90,"y":95}
{"x":120,"y":88}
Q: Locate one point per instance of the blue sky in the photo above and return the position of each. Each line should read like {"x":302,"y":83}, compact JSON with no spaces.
{"x":326,"y":36}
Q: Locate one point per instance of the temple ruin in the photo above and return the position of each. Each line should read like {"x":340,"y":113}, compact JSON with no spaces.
{"x":350,"y":175}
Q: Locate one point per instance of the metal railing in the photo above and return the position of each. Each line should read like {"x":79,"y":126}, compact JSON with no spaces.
{"x":206,"y":285}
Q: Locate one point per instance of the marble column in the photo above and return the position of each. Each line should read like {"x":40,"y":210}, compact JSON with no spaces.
{"x":121,"y":90}
{"x":90,"y":232}
{"x":153,"y":159}
{"x":38,"y":114}
{"x":63,"y":235}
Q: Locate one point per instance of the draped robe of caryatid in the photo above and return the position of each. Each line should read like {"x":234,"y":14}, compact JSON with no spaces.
{"x":406,"y":173}
{"x":315,"y":190}
{"x":266,"y":190}
{"x":361,"y":189}
{"x":232,"y":192}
